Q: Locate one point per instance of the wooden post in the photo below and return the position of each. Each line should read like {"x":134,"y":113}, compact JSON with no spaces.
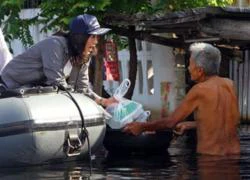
{"x":132,"y":64}
{"x":98,"y":82}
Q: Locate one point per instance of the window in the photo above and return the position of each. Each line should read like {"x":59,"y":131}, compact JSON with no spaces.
{"x":148,"y":46}
{"x":150,"y":77}
{"x":120,"y":70}
{"x":138,"y":45}
{"x":140,"y":77}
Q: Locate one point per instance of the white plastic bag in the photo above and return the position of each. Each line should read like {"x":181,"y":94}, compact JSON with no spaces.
{"x":143,"y":116}
{"x":125,"y":111}
{"x":122,"y":90}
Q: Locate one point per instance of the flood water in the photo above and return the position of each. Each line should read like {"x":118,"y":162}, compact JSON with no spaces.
{"x":179,"y":163}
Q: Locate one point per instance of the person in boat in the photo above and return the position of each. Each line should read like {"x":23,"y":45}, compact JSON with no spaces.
{"x":213,"y":101}
{"x":5,"y":55}
{"x":44,"y":62}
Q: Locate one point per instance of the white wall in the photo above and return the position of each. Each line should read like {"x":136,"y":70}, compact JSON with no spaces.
{"x":35,"y":31}
{"x":163,"y":61}
{"x":242,"y":3}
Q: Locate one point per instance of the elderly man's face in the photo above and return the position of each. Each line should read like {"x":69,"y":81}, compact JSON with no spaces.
{"x":195,"y":71}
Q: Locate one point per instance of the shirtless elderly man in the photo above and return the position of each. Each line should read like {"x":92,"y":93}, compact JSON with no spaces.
{"x":213,"y":101}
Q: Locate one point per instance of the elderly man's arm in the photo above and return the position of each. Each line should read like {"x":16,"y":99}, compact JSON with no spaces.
{"x":181,"y":127}
{"x":188,"y":105}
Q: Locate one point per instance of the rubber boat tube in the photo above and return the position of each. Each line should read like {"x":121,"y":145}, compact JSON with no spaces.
{"x":35,"y":124}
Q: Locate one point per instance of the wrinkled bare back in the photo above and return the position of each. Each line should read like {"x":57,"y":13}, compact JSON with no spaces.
{"x":217,"y":117}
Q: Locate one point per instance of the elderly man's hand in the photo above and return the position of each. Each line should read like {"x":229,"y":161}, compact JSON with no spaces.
{"x":182,"y":127}
{"x":134,"y":128}
{"x":110,"y":100}
{"x":106,"y":101}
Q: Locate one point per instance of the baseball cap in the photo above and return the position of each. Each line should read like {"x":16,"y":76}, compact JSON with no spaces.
{"x":87,"y":24}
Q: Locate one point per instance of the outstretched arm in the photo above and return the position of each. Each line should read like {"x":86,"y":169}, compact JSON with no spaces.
{"x":188,"y":105}
{"x":181,"y":127}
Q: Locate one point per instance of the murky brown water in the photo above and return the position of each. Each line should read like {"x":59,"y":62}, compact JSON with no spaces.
{"x":179,"y":163}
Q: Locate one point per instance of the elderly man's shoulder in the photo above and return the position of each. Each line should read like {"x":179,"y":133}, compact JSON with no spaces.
{"x":207,"y":86}
{"x":227,"y":80}
{"x":223,"y":81}
{"x":201,"y":87}
{"x":197,"y":89}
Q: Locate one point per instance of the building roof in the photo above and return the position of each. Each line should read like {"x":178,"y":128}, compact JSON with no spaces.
{"x":228,"y":27}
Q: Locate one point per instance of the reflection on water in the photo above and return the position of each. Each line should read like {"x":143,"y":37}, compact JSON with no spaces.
{"x":179,"y":163}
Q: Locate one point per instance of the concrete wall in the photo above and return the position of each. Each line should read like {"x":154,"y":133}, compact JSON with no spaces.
{"x":242,"y":3}
{"x":164,"y":71}
{"x":240,"y":73}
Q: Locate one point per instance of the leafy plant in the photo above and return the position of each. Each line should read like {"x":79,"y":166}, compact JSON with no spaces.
{"x":14,"y":27}
{"x":56,"y":14}
{"x":176,"y":5}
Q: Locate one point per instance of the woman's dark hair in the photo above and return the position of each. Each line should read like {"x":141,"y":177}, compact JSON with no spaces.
{"x":76,"y":42}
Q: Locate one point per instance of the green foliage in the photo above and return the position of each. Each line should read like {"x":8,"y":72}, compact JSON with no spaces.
{"x":56,"y":14}
{"x":15,"y":28}
{"x":121,"y":41}
{"x":175,"y":5}
{"x":130,"y":6}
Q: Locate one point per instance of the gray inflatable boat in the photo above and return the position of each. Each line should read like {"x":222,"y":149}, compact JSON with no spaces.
{"x":41,"y":125}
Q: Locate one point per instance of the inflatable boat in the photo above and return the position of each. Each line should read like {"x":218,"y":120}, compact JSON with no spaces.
{"x":42,"y":124}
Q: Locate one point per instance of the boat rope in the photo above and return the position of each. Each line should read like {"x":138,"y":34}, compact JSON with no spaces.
{"x":84,"y":131}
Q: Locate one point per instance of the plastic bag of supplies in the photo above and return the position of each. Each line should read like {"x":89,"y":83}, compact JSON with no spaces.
{"x":125,"y":111}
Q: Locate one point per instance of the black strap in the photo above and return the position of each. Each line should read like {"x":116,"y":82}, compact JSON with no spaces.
{"x":2,"y":82}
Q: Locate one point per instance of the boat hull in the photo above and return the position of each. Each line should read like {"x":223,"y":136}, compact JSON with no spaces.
{"x":35,"y":129}
{"x":120,"y":143}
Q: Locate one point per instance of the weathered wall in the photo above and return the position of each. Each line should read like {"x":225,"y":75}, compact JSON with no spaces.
{"x":168,"y":81}
{"x":240,"y":73}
